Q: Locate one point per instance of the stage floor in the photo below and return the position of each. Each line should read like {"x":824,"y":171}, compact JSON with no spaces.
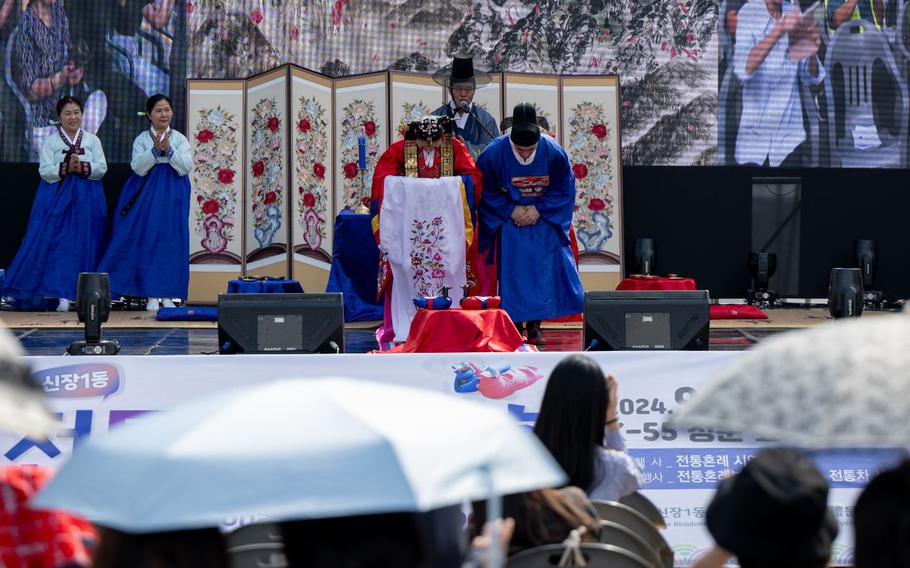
{"x":49,"y":333}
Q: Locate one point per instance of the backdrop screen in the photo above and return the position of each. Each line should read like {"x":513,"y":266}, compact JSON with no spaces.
{"x":828,"y":92}
{"x":112,"y":54}
{"x":694,"y":93}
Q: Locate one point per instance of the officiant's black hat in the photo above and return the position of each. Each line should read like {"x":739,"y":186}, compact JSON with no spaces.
{"x":525,"y":127}
{"x":460,"y":71}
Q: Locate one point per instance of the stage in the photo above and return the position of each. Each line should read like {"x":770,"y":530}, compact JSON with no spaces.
{"x":139,"y":333}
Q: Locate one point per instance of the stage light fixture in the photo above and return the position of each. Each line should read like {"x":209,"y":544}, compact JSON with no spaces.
{"x":762,"y":266}
{"x":867,"y":261}
{"x":644,"y":257}
{"x":845,"y":293}
{"x":93,"y":306}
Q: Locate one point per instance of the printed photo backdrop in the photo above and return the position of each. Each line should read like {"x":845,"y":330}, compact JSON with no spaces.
{"x":665,"y":52}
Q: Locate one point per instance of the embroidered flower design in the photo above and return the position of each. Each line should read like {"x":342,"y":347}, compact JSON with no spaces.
{"x":213,"y":180}
{"x":590,"y":144}
{"x":312,"y":142}
{"x":427,"y":264}
{"x":358,"y":116}
{"x":268,"y":184}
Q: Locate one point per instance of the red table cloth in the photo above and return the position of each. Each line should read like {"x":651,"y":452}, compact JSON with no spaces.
{"x":671,"y":282}
{"x":460,"y":331}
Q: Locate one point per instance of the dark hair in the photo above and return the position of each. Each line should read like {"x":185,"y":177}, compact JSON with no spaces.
{"x":153,"y":100}
{"x":572,"y":416}
{"x":390,"y":539}
{"x":198,"y":548}
{"x":881,"y":520}
{"x":67,"y":100}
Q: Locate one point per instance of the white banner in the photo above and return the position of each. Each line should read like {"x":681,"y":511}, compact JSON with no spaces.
{"x":681,"y":468}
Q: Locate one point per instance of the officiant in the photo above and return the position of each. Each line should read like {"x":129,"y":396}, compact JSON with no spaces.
{"x":419,"y":254}
{"x":472,"y":124}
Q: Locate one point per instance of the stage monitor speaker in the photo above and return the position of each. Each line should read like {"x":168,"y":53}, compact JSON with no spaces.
{"x":646,"y":320}
{"x":280,"y":323}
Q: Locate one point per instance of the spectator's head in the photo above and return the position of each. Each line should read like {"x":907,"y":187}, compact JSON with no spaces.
{"x":69,"y":110}
{"x":158,"y":110}
{"x":572,"y":416}
{"x":525,"y":132}
{"x":774,"y":513}
{"x":882,"y":520}
{"x":391,"y":539}
{"x":199,"y":548}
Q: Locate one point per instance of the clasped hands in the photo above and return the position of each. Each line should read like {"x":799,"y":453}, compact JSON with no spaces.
{"x":164,"y":145}
{"x":74,"y":166}
{"x":525,"y":215}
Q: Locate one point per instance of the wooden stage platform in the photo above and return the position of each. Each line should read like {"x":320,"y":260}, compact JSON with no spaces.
{"x":779,"y":318}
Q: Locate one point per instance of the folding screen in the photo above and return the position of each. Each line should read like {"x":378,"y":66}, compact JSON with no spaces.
{"x":266,"y":210}
{"x":540,"y":90}
{"x":591,"y":134}
{"x":489,"y":98}
{"x":412,"y":97}
{"x":312,"y":177}
{"x":277,"y":157}
{"x":216,"y":131}
{"x":361,"y":107}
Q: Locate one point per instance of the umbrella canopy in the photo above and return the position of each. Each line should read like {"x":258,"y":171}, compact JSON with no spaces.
{"x":296,"y":449}
{"x":23,"y":408}
{"x":839,"y":385}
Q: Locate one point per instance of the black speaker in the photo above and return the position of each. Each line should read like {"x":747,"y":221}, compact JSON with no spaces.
{"x":646,"y":320}
{"x":644,"y":257}
{"x":867,"y":262}
{"x":845,"y":292}
{"x":280,"y":323}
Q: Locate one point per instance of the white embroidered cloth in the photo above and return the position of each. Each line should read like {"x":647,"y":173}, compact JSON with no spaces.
{"x":421,"y":228}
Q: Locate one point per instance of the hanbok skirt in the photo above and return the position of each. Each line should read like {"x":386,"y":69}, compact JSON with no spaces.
{"x":148,"y":254}
{"x":65,"y":236}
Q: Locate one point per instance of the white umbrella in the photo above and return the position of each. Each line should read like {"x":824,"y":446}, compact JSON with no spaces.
{"x":295,"y":449}
{"x":23,"y":407}
{"x":838,"y":385}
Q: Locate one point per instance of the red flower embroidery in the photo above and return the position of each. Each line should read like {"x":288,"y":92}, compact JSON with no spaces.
{"x":273,"y":124}
{"x":369,"y":128}
{"x":190,"y":7}
{"x":258,"y":168}
{"x":350,"y":170}
{"x":226,"y":175}
{"x":309,"y":200}
{"x":295,"y":33}
{"x":199,"y":199}
{"x":210,"y":207}
{"x":596,"y":204}
{"x":256,"y":16}
{"x":599,"y":130}
{"x":205,"y":136}
{"x":580,"y":171}
{"x":690,"y":37}
{"x":365,"y":201}
{"x":319,"y":170}
{"x":270,"y":197}
{"x":304,"y":125}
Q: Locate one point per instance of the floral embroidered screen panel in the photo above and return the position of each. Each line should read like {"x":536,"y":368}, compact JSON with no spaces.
{"x":311,"y":198}
{"x":361,"y":109}
{"x":279,"y":155}
{"x":266,"y":198}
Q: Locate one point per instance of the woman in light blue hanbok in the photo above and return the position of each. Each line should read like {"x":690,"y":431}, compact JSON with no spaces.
{"x":66,"y":229}
{"x":149,"y":249}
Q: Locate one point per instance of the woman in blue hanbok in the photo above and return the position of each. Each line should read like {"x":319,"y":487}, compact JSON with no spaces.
{"x":148,"y":255}
{"x":65,"y":234}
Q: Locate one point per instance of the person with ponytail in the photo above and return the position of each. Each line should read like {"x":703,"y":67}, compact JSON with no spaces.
{"x":148,"y":255}
{"x":68,"y":223}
